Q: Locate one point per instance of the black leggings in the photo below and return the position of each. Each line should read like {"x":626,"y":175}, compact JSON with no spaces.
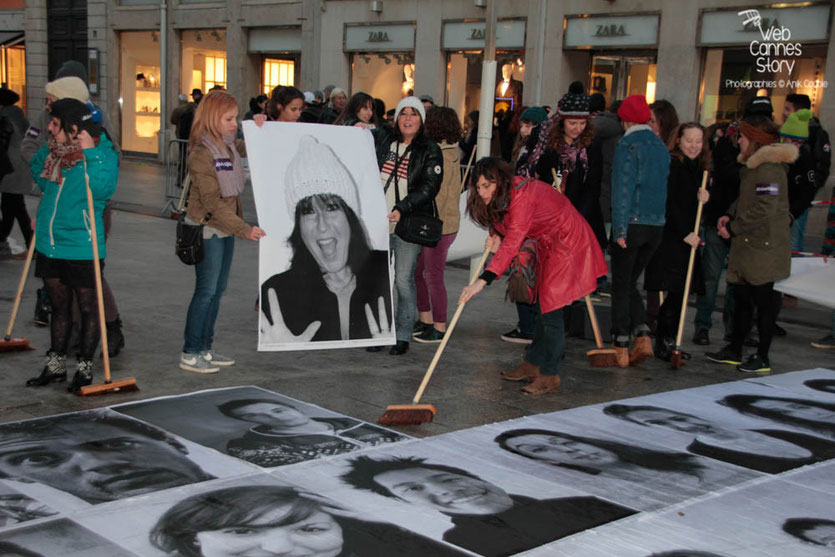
{"x":764,"y":298}
{"x":13,"y":207}
{"x":668,"y":315}
{"x":61,"y":298}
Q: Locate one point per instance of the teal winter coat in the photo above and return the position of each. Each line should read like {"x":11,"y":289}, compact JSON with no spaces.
{"x":63,"y":223}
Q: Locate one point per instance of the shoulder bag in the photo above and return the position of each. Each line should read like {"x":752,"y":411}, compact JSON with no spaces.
{"x":415,"y":228}
{"x":189,"y":244}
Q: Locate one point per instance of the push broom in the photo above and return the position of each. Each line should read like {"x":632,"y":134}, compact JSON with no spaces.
{"x":10,"y":343}
{"x":109,"y":386}
{"x":599,"y":357}
{"x":676,"y":358}
{"x":414,"y":413}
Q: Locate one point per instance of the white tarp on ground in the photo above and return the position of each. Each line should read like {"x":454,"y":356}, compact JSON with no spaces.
{"x":812,"y":279}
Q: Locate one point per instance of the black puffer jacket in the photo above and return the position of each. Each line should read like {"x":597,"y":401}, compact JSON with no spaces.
{"x":426,"y":171}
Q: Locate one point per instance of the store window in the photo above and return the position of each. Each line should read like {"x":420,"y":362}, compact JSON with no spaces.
{"x":203,"y":59}
{"x":140,"y":91}
{"x":723,"y":100}
{"x":464,"y":81}
{"x":617,"y":76}
{"x":13,"y":70}
{"x":277,"y":72}
{"x":384,"y":75}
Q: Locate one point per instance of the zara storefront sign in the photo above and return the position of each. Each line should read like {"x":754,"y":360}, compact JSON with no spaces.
{"x":598,"y":31}
{"x":510,"y":34}
{"x":381,"y":38}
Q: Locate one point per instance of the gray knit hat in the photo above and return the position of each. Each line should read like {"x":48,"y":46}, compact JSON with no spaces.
{"x":315,"y":169}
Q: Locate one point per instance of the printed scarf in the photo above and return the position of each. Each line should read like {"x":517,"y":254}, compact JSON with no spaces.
{"x":569,"y":154}
{"x":230,"y":172}
{"x":60,"y":156}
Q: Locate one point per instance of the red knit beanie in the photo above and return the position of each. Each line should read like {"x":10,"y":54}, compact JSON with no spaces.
{"x":634,"y":108}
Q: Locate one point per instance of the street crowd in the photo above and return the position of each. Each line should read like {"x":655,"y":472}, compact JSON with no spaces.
{"x":562,"y":186}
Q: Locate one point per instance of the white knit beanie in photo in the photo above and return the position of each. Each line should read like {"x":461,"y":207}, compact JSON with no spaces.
{"x":68,"y":88}
{"x":316,"y":169}
{"x":412,"y":102}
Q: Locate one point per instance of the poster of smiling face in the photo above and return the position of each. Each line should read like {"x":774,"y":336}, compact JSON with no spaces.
{"x":324,"y":271}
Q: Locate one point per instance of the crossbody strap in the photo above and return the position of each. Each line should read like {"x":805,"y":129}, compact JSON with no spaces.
{"x":184,"y":200}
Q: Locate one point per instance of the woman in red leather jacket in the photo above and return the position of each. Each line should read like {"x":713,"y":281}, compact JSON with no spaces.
{"x":569,"y":258}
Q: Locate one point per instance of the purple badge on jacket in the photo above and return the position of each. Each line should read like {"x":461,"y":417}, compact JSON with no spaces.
{"x":768,"y":189}
{"x":223,"y":164}
{"x":33,"y":132}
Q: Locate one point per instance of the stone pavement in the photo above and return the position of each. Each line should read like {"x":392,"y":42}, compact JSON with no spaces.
{"x":153,"y":290}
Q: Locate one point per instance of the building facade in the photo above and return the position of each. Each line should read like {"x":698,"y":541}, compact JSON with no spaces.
{"x":707,"y":57}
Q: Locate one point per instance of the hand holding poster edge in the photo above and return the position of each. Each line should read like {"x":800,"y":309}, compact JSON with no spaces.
{"x":278,"y":332}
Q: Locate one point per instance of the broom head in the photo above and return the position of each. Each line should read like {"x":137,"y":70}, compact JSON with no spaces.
{"x":407,"y":414}
{"x":676,"y":359}
{"x":602,"y":357}
{"x":14,"y":344}
{"x":120,"y":386}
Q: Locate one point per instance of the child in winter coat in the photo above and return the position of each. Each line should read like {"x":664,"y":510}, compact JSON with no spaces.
{"x":76,"y":146}
{"x":758,"y":224}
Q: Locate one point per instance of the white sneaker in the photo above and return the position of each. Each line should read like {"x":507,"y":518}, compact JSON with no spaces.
{"x":197,"y":364}
{"x":216,"y":359}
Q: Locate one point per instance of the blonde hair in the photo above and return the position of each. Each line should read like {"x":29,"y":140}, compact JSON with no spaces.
{"x":207,"y":117}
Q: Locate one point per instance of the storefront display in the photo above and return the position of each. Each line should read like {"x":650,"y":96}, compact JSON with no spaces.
{"x":13,"y":65}
{"x":203,"y":60}
{"x":622,"y":52}
{"x":382,"y":60}
{"x":781,"y":51}
{"x":464,"y":43}
{"x":140,"y":91}
{"x":280,"y":49}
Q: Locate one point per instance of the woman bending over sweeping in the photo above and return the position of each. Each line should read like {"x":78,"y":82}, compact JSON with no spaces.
{"x":569,"y":259}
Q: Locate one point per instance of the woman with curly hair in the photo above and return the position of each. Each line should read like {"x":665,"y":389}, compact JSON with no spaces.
{"x":571,"y":151}
{"x":444,"y":128}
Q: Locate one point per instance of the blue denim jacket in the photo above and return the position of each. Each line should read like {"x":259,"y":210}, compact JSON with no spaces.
{"x":639,"y":180}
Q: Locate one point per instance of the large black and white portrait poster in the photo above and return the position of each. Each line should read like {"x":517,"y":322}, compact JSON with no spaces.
{"x":252,"y":516}
{"x":324,"y":273}
{"x":260,"y":427}
{"x":58,"y":537}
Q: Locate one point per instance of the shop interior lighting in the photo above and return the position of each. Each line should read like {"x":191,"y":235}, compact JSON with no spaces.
{"x":385,"y":58}
{"x":216,"y":35}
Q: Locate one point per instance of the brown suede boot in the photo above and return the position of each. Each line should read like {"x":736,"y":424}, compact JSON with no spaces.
{"x":525,"y":371}
{"x":543,"y":384}
{"x":621,"y":355}
{"x":641,"y":351}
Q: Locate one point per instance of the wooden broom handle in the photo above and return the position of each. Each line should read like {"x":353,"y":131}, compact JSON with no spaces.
{"x":448,"y":332}
{"x":467,"y":170}
{"x":557,"y":184}
{"x":690,"y":266}
{"x":594,"y":325}
{"x":20,"y":286}
{"x":105,"y":356}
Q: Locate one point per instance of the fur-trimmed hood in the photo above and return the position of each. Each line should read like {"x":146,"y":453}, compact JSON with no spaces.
{"x":776,"y":153}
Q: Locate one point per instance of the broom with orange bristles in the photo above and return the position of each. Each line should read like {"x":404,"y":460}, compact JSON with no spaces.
{"x":10,"y":343}
{"x":677,"y":357}
{"x":599,"y":357}
{"x":109,"y":386}
{"x":414,"y":413}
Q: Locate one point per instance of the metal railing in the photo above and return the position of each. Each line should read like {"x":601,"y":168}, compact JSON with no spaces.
{"x":176,"y":157}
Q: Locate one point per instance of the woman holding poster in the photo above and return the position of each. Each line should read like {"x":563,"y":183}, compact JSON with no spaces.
{"x":411,"y":170}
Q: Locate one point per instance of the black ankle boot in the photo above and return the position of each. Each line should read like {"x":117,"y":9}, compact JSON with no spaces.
{"x":115,"y":338}
{"x":42,"y":308}
{"x":400,"y":348}
{"x":55,"y":369}
{"x":83,"y":375}
{"x":664,"y":348}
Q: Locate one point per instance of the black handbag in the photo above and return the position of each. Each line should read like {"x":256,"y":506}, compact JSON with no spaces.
{"x":189,"y":243}
{"x":416,"y":228}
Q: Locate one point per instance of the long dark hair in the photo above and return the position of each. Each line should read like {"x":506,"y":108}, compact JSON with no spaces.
{"x":667,"y":117}
{"x":358,"y":247}
{"x":662,"y":461}
{"x":492,"y":169}
{"x":675,"y":144}
{"x":557,"y":135}
{"x":281,"y":96}
{"x":744,"y":404}
{"x":358,"y":101}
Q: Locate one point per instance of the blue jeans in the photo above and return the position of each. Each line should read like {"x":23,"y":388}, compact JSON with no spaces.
{"x":211,"y":276}
{"x":527,"y":318}
{"x":548,"y":346}
{"x":405,"y":292}
{"x":714,"y":255}
{"x":798,"y":230}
